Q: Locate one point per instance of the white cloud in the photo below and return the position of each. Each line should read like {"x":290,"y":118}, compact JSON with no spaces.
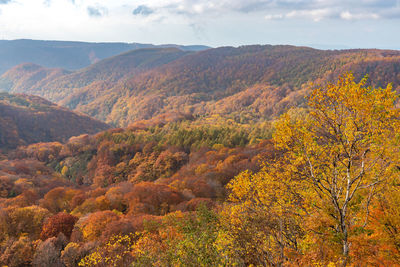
{"x":314,"y":14}
{"x":279,"y":9}
{"x":356,"y":16}
{"x":274,"y":16}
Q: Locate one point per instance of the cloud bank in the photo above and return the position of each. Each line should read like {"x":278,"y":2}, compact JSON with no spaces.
{"x":284,"y":9}
{"x":350,"y":23}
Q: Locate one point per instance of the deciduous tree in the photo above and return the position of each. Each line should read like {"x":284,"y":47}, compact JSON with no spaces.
{"x":344,"y":148}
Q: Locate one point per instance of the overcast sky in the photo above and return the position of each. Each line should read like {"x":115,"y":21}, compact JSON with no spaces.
{"x":318,"y":23}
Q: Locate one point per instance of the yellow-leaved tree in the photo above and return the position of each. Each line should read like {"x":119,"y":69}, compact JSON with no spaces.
{"x":337,"y":155}
{"x":261,"y":223}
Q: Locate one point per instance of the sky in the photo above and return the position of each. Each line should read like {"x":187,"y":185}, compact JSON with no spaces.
{"x":326,"y":24}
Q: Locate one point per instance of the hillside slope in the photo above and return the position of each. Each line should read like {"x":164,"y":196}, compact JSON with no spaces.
{"x":248,"y":82}
{"x":211,"y":81}
{"x":30,"y":119}
{"x":57,"y":84}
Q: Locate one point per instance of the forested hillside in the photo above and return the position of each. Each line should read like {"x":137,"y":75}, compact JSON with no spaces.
{"x":30,"y":119}
{"x":115,"y":181}
{"x":319,"y":185}
{"x":260,"y":81}
{"x":249,"y":156}
{"x":278,"y":74}
{"x":59,"y":85}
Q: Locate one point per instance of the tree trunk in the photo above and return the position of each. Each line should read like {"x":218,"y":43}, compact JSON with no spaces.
{"x":346,"y":247}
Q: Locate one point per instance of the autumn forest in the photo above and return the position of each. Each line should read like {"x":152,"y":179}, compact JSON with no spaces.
{"x":196,"y":156}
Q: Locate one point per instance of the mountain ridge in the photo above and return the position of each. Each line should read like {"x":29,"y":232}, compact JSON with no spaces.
{"x":198,"y":82}
{"x":111,"y":69}
{"x":70,"y":55}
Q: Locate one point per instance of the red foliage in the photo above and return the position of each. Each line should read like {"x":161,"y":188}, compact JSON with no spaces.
{"x":147,"y":197}
{"x":59,"y":223}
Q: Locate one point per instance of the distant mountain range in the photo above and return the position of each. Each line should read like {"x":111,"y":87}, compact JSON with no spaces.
{"x":249,"y":82}
{"x":65,"y":54}
{"x":30,"y":119}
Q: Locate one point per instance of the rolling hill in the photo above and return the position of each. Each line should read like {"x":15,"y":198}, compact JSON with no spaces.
{"x":248,"y":82}
{"x":66,"y":54}
{"x":30,"y":119}
{"x":57,"y":84}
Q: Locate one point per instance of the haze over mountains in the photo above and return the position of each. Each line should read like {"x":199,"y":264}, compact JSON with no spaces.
{"x":66,"y":54}
{"x":249,"y":82}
